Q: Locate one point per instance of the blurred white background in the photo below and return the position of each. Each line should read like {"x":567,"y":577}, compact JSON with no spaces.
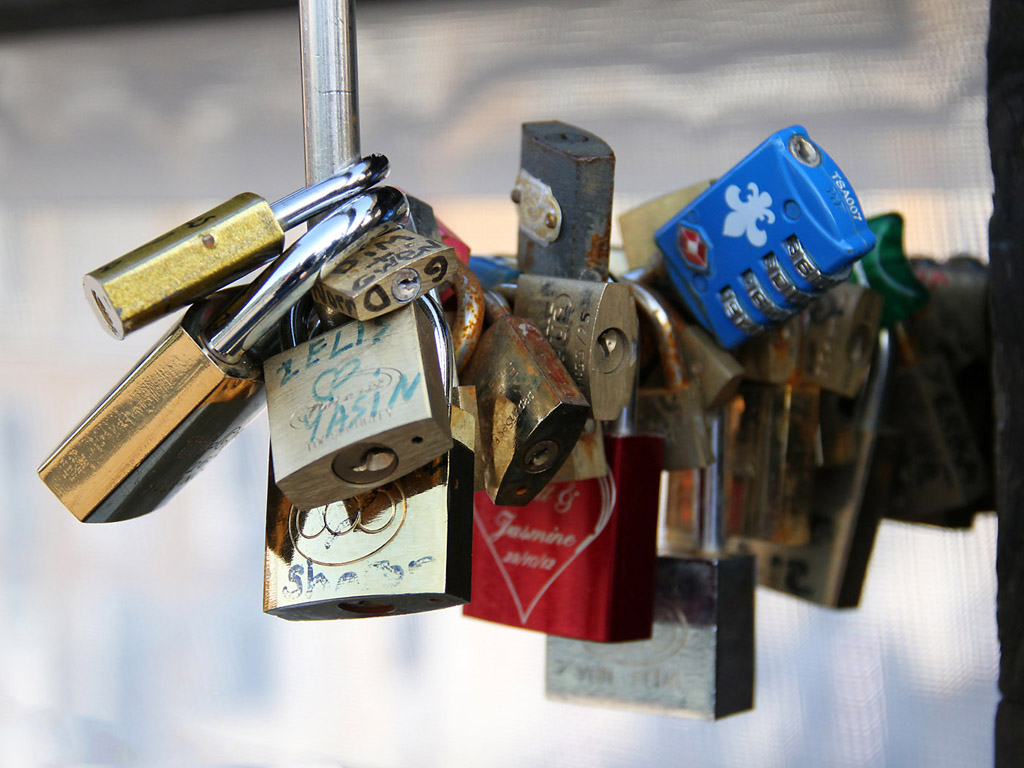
{"x":143,"y":643}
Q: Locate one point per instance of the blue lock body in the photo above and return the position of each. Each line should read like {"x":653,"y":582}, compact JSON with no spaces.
{"x":773,"y":233}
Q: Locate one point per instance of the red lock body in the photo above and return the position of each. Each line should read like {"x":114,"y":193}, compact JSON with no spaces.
{"x":579,"y":560}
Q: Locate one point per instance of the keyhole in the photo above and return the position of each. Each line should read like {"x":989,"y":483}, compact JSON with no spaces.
{"x":406,"y":285}
{"x":610,"y":350}
{"x":540,"y":456}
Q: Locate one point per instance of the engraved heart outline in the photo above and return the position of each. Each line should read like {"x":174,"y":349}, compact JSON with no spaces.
{"x":608,"y":496}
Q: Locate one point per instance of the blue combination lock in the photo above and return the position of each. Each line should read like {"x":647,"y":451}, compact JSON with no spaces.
{"x":772,"y":234}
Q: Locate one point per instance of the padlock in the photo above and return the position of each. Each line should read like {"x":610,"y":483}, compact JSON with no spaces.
{"x":940,"y":473}
{"x":421,"y":219}
{"x":401,"y":548}
{"x":776,"y":230}
{"x":837,"y":335}
{"x":494,"y":270}
{"x":673,"y":409}
{"x":531,"y":411}
{"x":212,"y":250}
{"x":563,"y":195}
{"x":886,"y":269}
{"x":578,"y":561}
{"x":356,"y":407}
{"x":699,"y":661}
{"x":388,"y":272}
{"x":196,"y":388}
{"x":772,"y":358}
{"x":638,"y":225}
{"x":592,"y":327}
{"x":717,"y":372}
{"x":587,"y":459}
{"x":830,"y":569}
{"x":773,"y":461}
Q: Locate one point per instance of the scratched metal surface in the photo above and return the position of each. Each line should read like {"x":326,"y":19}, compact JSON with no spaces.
{"x":143,"y":643}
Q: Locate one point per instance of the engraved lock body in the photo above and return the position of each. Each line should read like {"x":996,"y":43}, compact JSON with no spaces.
{"x":388,"y":272}
{"x":673,"y":408}
{"x":771,"y":469}
{"x":403,"y":547}
{"x":578,"y":561}
{"x":940,"y":472}
{"x":838,"y":332}
{"x":772,"y":233}
{"x":356,"y":407}
{"x":212,"y":250}
{"x":531,"y":411}
{"x":197,"y":388}
{"x":699,"y":660}
{"x":563,"y":195}
{"x":847,"y":503}
{"x":592,"y":327}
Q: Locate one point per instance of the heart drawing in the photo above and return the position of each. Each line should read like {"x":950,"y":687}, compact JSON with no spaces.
{"x":532,"y":546}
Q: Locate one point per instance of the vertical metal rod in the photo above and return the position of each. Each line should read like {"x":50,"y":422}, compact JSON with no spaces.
{"x":711,"y":502}
{"x":330,"y":95}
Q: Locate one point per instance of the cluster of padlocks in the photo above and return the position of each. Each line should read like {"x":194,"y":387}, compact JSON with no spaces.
{"x":614,"y":457}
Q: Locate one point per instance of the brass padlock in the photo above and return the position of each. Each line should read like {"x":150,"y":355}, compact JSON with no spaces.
{"x":356,"y":407}
{"x":401,"y":548}
{"x":592,"y":327}
{"x":639,"y":224}
{"x":388,"y":272}
{"x":771,"y":469}
{"x":772,"y":358}
{"x":587,"y":459}
{"x":212,"y":250}
{"x":531,"y":411}
{"x":716,"y":371}
{"x":673,"y":409}
{"x":197,"y":388}
{"x":563,"y":195}
{"x":830,"y":569}
{"x":699,"y":661}
{"x":838,"y":332}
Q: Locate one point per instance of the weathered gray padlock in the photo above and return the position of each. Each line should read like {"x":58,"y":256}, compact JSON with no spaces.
{"x":699,"y":661}
{"x":197,"y":387}
{"x":403,"y":547}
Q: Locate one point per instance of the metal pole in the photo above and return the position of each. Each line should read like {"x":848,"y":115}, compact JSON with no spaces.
{"x":330,"y":97}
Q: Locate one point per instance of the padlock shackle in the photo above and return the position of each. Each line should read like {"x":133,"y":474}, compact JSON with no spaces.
{"x":495,"y":307}
{"x":710,"y":518}
{"x":654,"y":310}
{"x":443,"y":340}
{"x":469,"y":314}
{"x":318,"y":198}
{"x":269,"y":297}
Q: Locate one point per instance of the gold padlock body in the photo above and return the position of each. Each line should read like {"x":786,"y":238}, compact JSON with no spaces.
{"x":531,"y":411}
{"x":839,"y":332}
{"x":464,"y":402}
{"x":772,"y":357}
{"x":638,"y":225}
{"x":402,"y":548}
{"x":715,"y":371}
{"x":356,"y":407}
{"x":677,"y":414}
{"x":185,"y":264}
{"x":771,"y":472}
{"x":154,"y":430}
{"x":387,"y":272}
{"x":587,"y":460}
{"x":592,"y":327}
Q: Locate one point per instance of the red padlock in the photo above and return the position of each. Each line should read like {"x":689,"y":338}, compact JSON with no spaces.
{"x":579,"y":560}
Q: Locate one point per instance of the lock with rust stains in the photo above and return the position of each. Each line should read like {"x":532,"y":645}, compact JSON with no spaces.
{"x":531,"y":411}
{"x":403,"y":547}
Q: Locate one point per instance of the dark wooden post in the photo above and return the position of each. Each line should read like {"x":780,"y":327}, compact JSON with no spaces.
{"x":1006,"y":251}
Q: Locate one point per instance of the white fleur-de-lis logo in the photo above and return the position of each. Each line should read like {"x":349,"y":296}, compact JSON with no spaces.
{"x":746,"y":213}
